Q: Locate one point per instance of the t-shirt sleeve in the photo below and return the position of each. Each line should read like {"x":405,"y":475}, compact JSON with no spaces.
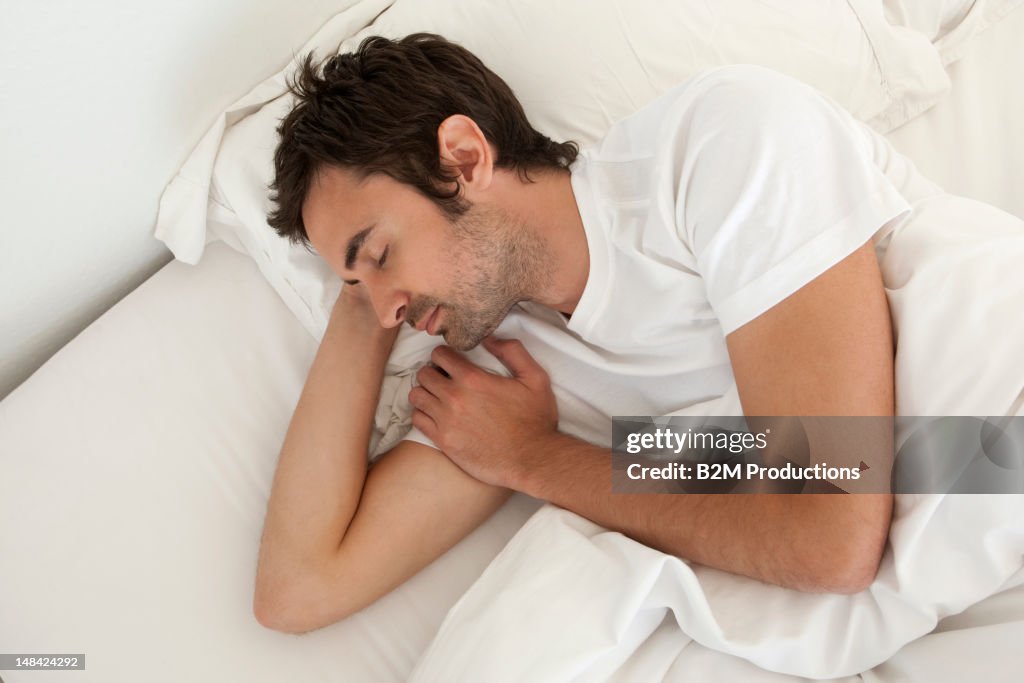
{"x":777,"y":185}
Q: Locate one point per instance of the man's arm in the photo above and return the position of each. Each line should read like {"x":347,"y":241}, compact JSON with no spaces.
{"x":825,"y":350}
{"x":336,"y":538}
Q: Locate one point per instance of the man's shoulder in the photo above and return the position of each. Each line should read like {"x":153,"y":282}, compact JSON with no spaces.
{"x":740,"y":91}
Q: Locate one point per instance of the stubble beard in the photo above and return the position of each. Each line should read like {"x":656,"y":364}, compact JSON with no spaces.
{"x":496,"y":262}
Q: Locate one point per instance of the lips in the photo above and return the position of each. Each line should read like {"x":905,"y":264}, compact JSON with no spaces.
{"x":432,"y":322}
{"x":423,"y":323}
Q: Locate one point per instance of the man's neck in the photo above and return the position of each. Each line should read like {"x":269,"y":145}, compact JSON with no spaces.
{"x":548,"y":206}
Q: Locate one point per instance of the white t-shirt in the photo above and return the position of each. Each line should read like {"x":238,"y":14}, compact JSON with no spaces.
{"x":703,"y":210}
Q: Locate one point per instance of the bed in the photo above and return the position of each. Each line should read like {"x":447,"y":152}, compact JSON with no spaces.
{"x":136,"y":464}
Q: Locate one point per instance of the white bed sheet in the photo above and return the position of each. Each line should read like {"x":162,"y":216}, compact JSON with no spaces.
{"x":136,"y":466}
{"x":980,"y":644}
{"x":205,"y":364}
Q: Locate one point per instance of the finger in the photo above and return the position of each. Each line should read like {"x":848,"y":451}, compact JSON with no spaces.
{"x":425,"y":423}
{"x":440,"y":370}
{"x":451,"y":361}
{"x":423,"y":400}
{"x":432,"y":380}
{"x":514,"y":356}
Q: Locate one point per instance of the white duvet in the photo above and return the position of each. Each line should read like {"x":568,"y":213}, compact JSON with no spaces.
{"x":569,"y":601}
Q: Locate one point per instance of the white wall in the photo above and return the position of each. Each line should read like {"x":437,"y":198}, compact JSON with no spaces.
{"x":100,"y":102}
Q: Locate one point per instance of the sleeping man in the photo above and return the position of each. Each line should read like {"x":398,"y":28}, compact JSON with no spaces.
{"x":716,"y":253}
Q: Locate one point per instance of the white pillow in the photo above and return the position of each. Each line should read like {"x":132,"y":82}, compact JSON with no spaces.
{"x":949,"y":24}
{"x":578,"y":66}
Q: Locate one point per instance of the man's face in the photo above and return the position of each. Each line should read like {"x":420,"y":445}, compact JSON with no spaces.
{"x":470,"y":271}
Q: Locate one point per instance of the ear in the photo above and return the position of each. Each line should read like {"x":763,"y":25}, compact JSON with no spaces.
{"x":464,"y":149}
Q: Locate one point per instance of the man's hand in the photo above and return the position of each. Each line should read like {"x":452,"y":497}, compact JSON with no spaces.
{"x":484,"y":422}
{"x":358,"y":316}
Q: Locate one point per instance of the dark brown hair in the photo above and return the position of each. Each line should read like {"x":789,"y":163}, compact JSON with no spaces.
{"x":377,"y":110}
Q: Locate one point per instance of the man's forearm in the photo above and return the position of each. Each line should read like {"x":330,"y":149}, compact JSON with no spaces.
{"x":817,"y":543}
{"x":322,"y":466}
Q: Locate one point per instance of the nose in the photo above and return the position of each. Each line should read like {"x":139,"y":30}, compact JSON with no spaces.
{"x":389,"y":305}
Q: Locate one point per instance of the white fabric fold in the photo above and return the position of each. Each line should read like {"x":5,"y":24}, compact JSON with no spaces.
{"x":567,"y":600}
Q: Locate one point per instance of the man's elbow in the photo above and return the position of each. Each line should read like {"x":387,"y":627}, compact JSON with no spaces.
{"x":842,"y":576}
{"x":857,"y":549}
{"x":854,"y":577}
{"x":279,"y":613}
{"x":289,"y":609}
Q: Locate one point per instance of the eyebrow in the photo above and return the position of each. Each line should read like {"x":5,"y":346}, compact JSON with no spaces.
{"x":354,"y":245}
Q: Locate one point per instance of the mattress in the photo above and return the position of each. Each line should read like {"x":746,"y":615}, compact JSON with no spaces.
{"x":136,"y":468}
{"x":136,"y":465}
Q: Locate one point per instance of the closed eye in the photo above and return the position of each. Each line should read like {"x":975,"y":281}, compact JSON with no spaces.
{"x":380,"y":264}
